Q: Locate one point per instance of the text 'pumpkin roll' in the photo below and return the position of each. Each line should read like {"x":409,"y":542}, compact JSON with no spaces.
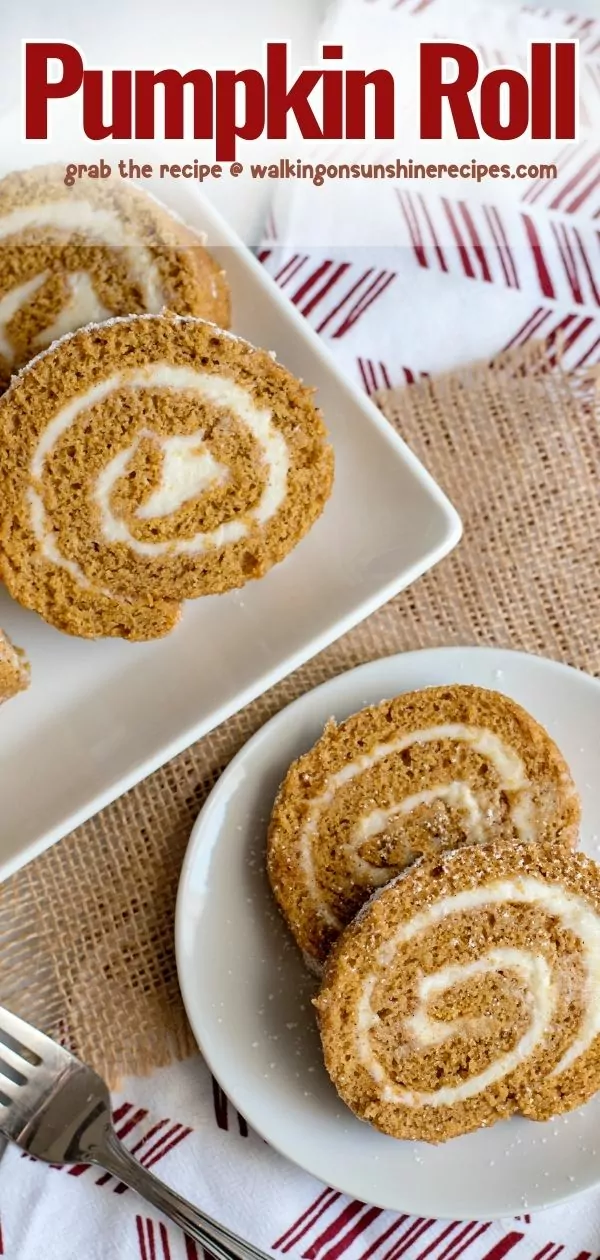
{"x":73,"y":256}
{"x":428,"y":771}
{"x":468,"y":990}
{"x":150,"y":460}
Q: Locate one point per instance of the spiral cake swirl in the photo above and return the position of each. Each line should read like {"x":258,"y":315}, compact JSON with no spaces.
{"x":150,"y":460}
{"x":14,"y":669}
{"x":427,"y":771}
{"x":468,"y":990}
{"x":73,"y":256}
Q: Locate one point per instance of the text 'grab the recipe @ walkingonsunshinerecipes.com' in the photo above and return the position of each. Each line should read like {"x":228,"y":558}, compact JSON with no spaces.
{"x":317,"y":173}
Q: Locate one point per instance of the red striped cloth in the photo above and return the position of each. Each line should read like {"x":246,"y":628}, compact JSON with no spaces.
{"x":412,"y":277}
{"x":180,"y":1124}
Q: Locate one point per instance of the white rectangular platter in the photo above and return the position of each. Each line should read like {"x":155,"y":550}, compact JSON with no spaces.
{"x":100,"y":716}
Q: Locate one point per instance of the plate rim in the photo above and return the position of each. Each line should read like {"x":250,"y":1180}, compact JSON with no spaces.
{"x":190,"y":856}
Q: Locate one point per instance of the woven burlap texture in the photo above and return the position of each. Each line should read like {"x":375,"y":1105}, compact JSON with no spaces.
{"x":86,"y":931}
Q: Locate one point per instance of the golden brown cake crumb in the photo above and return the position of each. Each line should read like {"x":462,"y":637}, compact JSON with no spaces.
{"x":467,"y":990}
{"x":427,"y":771}
{"x":150,"y":460}
{"x":72,"y":256}
{"x":14,"y":669}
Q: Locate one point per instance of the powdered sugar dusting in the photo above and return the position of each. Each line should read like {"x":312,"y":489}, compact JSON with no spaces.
{"x":164,"y":314}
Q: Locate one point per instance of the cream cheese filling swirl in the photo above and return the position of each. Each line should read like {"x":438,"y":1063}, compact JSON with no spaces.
{"x":512,"y":779}
{"x":188,"y":467}
{"x":572,"y":912}
{"x":82,"y":306}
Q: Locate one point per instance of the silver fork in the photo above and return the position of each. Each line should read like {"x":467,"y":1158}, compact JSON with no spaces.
{"x":57,"y":1109}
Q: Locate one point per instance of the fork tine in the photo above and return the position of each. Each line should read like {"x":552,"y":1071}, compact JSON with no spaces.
{"x":23,"y":1033}
{"x":8,"y":1087}
{"x":10,"y":1059}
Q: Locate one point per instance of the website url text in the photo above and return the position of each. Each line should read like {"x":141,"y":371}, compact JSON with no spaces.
{"x":320,"y":172}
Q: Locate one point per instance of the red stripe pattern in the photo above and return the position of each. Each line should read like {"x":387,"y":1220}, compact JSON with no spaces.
{"x":558,"y":258}
{"x":153,"y":1239}
{"x":510,"y":260}
{"x":577,"y":186}
{"x":334,"y":294}
{"x":503,"y":248}
{"x":376,"y":376}
{"x":222,"y":1108}
{"x":153,"y":1140}
{"x":333,"y":1226}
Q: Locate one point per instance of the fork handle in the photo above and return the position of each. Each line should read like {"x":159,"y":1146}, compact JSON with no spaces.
{"x":219,"y":1240}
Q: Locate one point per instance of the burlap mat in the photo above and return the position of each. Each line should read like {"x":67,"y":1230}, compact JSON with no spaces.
{"x":86,"y":931}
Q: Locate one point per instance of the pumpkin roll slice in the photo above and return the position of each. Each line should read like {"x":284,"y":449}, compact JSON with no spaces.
{"x":14,"y":669}
{"x":468,"y":990}
{"x":72,"y":256}
{"x":427,"y":771}
{"x":150,"y":460}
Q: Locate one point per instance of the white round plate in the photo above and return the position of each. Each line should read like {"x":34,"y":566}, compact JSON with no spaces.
{"x":248,"y":996}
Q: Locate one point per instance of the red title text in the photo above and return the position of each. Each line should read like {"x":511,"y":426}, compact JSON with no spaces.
{"x":459,"y":98}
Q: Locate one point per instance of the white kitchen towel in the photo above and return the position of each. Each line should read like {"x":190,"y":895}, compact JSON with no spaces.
{"x":180,"y":1125}
{"x":417,"y":276}
{"x":447,"y":285}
